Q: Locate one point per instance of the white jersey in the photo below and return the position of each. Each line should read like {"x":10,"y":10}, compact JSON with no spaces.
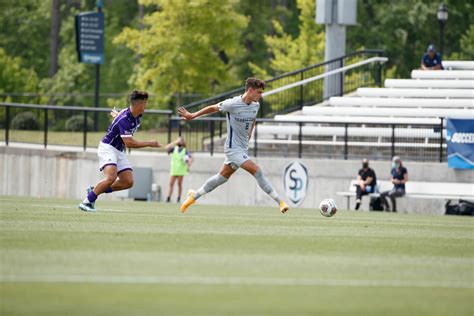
{"x":240,"y":118}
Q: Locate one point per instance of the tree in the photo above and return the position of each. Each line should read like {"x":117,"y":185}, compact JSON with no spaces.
{"x":290,"y":53}
{"x":466,"y":45}
{"x":405,"y":28}
{"x":54,"y":37}
{"x":185,"y":46}
{"x":71,"y":76}
{"x":261,"y":16}
{"x":14,"y":77}
{"x":79,"y":78}
{"x":25,"y":32}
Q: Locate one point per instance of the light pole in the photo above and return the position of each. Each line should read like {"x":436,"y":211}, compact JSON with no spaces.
{"x":442,"y":15}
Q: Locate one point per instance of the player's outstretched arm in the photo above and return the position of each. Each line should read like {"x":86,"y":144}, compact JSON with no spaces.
{"x":131,"y":142}
{"x":173,"y":143}
{"x":188,"y":116}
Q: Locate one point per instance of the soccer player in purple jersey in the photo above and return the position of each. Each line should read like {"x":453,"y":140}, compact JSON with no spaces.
{"x":113,"y":163}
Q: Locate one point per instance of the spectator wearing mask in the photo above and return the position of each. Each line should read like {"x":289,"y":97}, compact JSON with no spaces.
{"x":399,"y":178}
{"x":431,"y":59}
{"x":366,"y":182}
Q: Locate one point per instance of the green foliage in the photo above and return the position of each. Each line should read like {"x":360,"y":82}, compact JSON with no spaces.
{"x":25,"y":121}
{"x":14,"y":77}
{"x":119,"y":60}
{"x":261,"y":16}
{"x":185,"y":46}
{"x":201,"y":47}
{"x":466,"y":46}
{"x":25,"y":32}
{"x":76,"y":77}
{"x":405,"y":28}
{"x":76,"y":123}
{"x":291,"y":53}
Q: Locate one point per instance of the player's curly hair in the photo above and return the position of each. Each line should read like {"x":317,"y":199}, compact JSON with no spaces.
{"x":138,"y":95}
{"x":254,"y":83}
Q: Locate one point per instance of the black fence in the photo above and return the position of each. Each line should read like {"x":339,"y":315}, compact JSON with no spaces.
{"x":69,"y":125}
{"x":73,"y":126}
{"x":313,"y":92}
{"x":376,"y":141}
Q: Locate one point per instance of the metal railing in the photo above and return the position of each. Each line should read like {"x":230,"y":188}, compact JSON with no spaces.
{"x":53,"y":125}
{"x":319,"y":139}
{"x":67,"y":125}
{"x":369,"y":74}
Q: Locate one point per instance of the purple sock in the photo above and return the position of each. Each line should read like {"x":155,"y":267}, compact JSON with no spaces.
{"x":91,"y":196}
{"x":109,"y":190}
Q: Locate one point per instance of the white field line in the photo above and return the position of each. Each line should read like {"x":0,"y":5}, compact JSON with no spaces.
{"x":216,"y":280}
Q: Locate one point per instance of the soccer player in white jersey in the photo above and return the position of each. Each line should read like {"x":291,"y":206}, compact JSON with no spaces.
{"x":241,"y":112}
{"x":118,"y":172}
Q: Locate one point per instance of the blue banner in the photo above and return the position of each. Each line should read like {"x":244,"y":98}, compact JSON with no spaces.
{"x":460,"y":140}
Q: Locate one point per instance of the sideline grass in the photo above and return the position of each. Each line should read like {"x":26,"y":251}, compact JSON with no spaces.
{"x":194,"y":139}
{"x":145,"y":258}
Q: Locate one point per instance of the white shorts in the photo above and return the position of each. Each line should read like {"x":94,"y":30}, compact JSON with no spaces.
{"x":235,"y":158}
{"x":109,"y":155}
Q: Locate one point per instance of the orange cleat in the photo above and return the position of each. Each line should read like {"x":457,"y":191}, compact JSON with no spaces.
{"x":190,"y":200}
{"x":283,"y":207}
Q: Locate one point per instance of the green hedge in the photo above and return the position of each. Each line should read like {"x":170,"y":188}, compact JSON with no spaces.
{"x":25,"y":121}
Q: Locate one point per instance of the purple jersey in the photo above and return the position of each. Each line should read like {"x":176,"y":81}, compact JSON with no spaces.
{"x":124,"y":125}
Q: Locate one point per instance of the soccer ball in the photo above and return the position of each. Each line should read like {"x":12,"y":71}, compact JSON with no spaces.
{"x":186,"y":158}
{"x":328,"y":207}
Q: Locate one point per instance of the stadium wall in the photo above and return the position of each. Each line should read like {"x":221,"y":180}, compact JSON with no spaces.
{"x":66,"y":174}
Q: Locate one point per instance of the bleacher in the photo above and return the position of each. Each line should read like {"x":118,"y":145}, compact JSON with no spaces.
{"x":412,"y":111}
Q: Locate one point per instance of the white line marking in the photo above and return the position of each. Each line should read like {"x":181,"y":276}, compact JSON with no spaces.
{"x":215,"y":280}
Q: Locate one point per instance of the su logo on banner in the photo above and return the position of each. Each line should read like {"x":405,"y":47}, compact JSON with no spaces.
{"x":295,"y":182}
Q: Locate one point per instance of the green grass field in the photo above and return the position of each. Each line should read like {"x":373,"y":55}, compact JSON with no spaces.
{"x":148,"y":259}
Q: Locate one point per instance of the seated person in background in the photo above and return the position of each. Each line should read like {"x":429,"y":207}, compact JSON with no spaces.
{"x":366,"y":182}
{"x":431,"y":59}
{"x":399,"y":178}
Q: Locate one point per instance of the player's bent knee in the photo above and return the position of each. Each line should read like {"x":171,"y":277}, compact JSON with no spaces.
{"x":110,"y":179}
{"x":128,"y":183}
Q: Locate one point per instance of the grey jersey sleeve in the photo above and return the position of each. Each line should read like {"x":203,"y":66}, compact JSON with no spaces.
{"x":226,"y":105}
